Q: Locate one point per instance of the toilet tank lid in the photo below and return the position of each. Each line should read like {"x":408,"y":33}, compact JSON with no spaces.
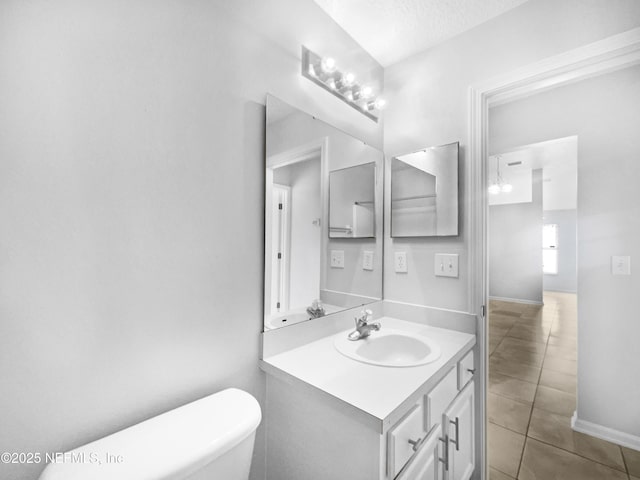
{"x":171,"y":445}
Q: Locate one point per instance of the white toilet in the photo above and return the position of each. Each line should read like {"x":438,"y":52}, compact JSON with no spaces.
{"x":209,"y":439}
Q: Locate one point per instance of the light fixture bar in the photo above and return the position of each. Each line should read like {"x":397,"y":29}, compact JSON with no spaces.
{"x":324,"y":72}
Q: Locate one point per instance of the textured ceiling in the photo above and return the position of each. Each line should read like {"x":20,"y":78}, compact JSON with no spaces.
{"x":392,"y":30}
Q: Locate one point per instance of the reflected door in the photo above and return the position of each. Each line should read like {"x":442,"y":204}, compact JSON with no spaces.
{"x":280,"y":220}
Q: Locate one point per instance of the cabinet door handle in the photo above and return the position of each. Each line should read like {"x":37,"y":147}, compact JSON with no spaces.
{"x":445,"y":452}
{"x":456,"y":442}
{"x":415,"y":444}
{"x":471,"y":370}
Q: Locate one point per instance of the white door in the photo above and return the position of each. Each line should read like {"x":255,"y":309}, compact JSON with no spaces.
{"x":425,"y":465}
{"x":280,"y":248}
{"x":459,"y":419}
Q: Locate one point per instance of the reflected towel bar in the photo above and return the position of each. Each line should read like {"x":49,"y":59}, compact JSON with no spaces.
{"x":415,"y":197}
{"x":341,"y":229}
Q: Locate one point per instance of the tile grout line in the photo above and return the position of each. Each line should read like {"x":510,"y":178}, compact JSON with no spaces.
{"x":518,"y":319}
{"x":576,"y":454}
{"x":624,"y":462}
{"x":526,"y":435}
{"x":521,"y":320}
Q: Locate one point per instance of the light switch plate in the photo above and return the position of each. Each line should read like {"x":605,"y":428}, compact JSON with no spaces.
{"x":620,"y":265}
{"x":446,"y":265}
{"x":367,"y":260}
{"x":401,"y":262}
{"x":337,"y":258}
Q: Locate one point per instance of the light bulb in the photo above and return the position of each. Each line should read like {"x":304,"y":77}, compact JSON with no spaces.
{"x":506,"y":188}
{"x":345,"y":81}
{"x":366,"y":91}
{"x":380,"y":103}
{"x":348,"y":79}
{"x":377,"y":103}
{"x":494,"y":189}
{"x":328,"y":65}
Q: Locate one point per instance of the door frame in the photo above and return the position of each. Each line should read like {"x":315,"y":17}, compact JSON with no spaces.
{"x":613,"y":53}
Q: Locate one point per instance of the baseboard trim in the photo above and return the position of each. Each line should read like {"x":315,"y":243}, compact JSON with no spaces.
{"x":516,"y":300}
{"x":605,"y":433}
{"x":558,"y":290}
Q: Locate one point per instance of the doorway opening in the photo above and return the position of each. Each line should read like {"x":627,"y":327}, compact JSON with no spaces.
{"x":532,"y":298}
{"x":609,"y":55}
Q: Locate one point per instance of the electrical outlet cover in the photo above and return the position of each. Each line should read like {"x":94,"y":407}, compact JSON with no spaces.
{"x":620,"y":265}
{"x":401,"y":262}
{"x":337,"y":258}
{"x":367,"y":260}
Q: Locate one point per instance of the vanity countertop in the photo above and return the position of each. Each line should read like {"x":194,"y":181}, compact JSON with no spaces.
{"x":378,"y":393}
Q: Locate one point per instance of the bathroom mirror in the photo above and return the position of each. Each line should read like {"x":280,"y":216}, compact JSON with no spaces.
{"x":310,"y":270}
{"x":352,"y":202}
{"x":424,"y":192}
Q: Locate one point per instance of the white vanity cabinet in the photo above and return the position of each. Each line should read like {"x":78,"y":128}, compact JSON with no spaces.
{"x":310,"y":435}
{"x":329,"y":417}
{"x":448,"y":452}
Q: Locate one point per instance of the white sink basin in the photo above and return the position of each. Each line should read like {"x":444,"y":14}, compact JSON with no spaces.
{"x":389,"y":348}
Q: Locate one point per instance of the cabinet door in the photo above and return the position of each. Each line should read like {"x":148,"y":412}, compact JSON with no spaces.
{"x":460,"y":421}
{"x":425,"y":465}
{"x":404,"y":437}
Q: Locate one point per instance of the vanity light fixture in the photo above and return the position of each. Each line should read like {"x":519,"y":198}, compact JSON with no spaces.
{"x":324,"y":71}
{"x":499,"y":186}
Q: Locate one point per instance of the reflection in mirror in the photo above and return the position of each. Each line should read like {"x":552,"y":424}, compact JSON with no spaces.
{"x":310,"y":273}
{"x":352,"y":202}
{"x":424,"y":192}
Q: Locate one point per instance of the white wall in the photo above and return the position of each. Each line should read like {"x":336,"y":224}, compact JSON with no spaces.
{"x":515,"y":248}
{"x":347,"y":187}
{"x":131,"y":204}
{"x":566,"y":279}
{"x":427,"y":105}
{"x":604,"y":113}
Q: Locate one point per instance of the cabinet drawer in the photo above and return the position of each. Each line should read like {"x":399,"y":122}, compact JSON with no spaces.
{"x":426,"y":464}
{"x":466,"y":369}
{"x":439,"y":398}
{"x":403,"y":437}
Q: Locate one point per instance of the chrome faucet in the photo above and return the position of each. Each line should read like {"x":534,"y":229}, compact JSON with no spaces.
{"x":316,"y":309}
{"x":363,"y":327}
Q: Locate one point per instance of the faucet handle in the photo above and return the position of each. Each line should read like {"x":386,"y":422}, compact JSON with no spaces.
{"x":365,"y":316}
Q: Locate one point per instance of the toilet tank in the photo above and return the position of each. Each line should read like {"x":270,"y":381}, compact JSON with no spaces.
{"x":209,"y":439}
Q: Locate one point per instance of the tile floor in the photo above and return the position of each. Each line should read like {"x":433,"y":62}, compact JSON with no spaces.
{"x":532,"y":383}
